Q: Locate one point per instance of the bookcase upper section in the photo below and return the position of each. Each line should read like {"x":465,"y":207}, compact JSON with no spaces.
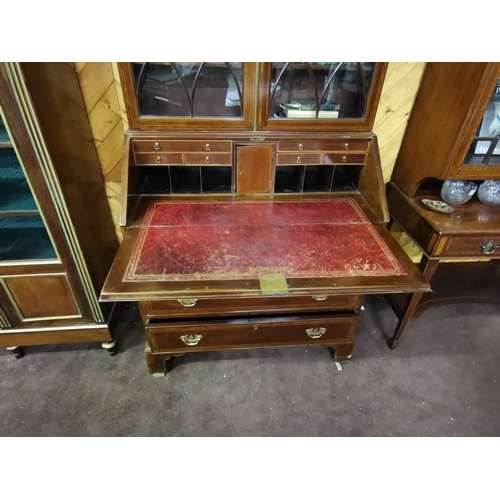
{"x":454,"y":129}
{"x":273,"y":96}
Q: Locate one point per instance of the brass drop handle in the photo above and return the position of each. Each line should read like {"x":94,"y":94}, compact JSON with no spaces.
{"x":207,"y":147}
{"x":299,"y":159}
{"x":157,"y":146}
{"x":191,"y":339}
{"x":319,"y":297}
{"x":489,"y":247}
{"x":158,"y":159}
{"x":315,"y":333}
{"x":346,"y":146}
{"x":207,"y":159}
{"x":344,"y":159}
{"x":301,"y":147}
{"x":188,"y":302}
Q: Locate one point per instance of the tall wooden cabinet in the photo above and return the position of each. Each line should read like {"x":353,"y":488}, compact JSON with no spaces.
{"x":453,"y":134}
{"x":57,"y":238}
{"x":254,"y":206}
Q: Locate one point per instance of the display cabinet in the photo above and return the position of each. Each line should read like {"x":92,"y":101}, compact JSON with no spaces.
{"x":57,"y":239}
{"x":254,"y":206}
{"x":453,"y":134}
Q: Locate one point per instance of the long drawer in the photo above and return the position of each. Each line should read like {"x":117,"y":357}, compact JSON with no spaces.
{"x":260,"y":305}
{"x":482,"y":246}
{"x":311,"y":145}
{"x":254,"y":332}
{"x":179,"y":146}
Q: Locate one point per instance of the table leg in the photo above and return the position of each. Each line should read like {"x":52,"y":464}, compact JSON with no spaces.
{"x":427,"y":267}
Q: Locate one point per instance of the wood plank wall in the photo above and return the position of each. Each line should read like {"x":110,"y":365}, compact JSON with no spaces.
{"x":105,"y":106}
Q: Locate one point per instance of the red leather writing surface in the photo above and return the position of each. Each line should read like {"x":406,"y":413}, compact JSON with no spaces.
{"x":195,"y":240}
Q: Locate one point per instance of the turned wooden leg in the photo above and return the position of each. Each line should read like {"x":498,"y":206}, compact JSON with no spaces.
{"x":17,"y":351}
{"x":427,"y":267}
{"x":111,"y":347}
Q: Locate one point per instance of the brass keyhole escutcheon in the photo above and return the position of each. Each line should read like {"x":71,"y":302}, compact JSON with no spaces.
{"x":157,"y":146}
{"x":207,"y":159}
{"x":344,"y":159}
{"x":315,"y":333}
{"x":301,"y":147}
{"x":158,"y":159}
{"x":191,"y":339}
{"x":299,"y":159}
{"x":346,"y":146}
{"x":207,"y":147}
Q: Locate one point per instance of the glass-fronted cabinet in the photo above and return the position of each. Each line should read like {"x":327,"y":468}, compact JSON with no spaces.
{"x":484,"y":148}
{"x":252,"y":96}
{"x":55,"y":245}
{"x":189,"y":94}
{"x":23,"y":234}
{"x":322,"y":95}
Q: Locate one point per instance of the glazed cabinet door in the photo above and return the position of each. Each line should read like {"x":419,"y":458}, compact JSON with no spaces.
{"x":189,"y":95}
{"x":479,"y":153}
{"x":319,"y":96}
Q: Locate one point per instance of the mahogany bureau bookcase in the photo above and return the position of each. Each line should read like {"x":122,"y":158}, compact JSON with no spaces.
{"x":254,"y":206}
{"x":57,"y":237}
{"x":450,"y":137}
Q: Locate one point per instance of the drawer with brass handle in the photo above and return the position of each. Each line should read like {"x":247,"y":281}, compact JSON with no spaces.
{"x":299,"y":159}
{"x":486,"y":246}
{"x":208,"y":158}
{"x":204,"y":335}
{"x":193,"y":307}
{"x":339,"y":158}
{"x":159,"y":159}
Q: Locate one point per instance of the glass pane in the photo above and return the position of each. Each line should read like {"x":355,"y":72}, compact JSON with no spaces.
{"x":485,"y":148}
{"x":189,"y":89}
{"x":24,"y":237}
{"x":319,"y":90}
{"x":15,"y":194}
{"x":4,"y":137}
{"x":22,"y":231}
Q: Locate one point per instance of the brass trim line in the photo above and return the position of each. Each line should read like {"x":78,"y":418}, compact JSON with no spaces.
{"x":23,"y":99}
{"x":4,"y":320}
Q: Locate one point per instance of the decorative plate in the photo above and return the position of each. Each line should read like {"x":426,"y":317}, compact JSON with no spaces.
{"x":438,"y":206}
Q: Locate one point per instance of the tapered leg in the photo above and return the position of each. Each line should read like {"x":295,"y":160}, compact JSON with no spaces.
{"x":343,"y":352}
{"x":427,"y":267}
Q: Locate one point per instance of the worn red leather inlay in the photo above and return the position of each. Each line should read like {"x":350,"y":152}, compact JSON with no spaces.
{"x":204,"y":240}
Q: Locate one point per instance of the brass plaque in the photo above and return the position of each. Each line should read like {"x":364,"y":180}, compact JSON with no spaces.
{"x":273,"y":284}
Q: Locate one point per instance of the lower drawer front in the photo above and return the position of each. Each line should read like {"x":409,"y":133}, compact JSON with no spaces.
{"x":259,"y":305}
{"x":159,"y":159}
{"x":260,"y":332}
{"x":486,"y":246}
{"x":299,"y":159}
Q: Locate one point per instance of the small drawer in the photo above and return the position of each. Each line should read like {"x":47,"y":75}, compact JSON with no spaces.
{"x":299,"y":159}
{"x":485,"y":246}
{"x":339,"y":158}
{"x":159,"y":159}
{"x":148,"y":146}
{"x":242,"y":333}
{"x":208,"y":159}
{"x":260,"y":305}
{"x":356,"y":145}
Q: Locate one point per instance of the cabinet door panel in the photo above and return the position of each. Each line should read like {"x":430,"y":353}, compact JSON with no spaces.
{"x":41,"y":297}
{"x":254,"y":169}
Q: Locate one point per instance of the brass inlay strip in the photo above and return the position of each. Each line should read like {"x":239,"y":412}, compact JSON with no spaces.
{"x":4,"y":320}
{"x":23,"y":99}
